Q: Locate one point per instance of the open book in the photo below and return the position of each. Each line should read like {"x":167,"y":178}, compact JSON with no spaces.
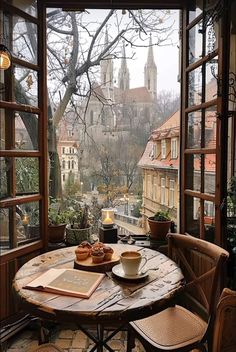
{"x":70,"y":282}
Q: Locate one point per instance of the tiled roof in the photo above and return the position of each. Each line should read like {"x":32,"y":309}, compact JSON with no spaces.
{"x":134,"y":95}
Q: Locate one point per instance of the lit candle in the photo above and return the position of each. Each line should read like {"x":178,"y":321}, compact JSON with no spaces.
{"x":107,"y":220}
{"x":25,"y":220}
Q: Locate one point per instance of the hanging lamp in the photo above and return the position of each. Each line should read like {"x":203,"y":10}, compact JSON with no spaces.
{"x":5,"y":57}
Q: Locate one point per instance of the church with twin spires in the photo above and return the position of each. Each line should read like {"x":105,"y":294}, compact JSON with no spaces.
{"x":115,"y":107}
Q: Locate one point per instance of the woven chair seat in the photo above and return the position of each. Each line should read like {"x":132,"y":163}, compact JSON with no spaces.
{"x":48,"y":347}
{"x":174,"y":327}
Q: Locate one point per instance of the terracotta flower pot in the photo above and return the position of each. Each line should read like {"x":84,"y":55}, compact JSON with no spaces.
{"x":159,"y":229}
{"x":56,"y":233}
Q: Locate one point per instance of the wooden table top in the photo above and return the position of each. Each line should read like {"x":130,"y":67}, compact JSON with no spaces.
{"x":113,"y":300}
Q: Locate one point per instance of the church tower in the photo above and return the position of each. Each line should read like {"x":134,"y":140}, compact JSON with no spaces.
{"x":150,"y":72}
{"x":123,"y":76}
{"x":106,"y":67}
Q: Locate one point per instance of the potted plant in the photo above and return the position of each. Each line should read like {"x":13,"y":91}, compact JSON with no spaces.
{"x":159,"y":225}
{"x":57,"y":219}
{"x":79,"y":228}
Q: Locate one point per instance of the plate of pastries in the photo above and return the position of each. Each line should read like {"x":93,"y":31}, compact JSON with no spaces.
{"x":97,"y":254}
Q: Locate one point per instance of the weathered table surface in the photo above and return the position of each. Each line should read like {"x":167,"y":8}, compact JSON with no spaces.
{"x":113,"y":300}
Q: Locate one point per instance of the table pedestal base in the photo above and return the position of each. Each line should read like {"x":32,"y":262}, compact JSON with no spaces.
{"x":99,"y":340}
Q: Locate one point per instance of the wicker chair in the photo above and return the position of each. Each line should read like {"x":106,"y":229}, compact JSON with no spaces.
{"x":188,"y":325}
{"x":224,"y":339}
{"x":48,"y":347}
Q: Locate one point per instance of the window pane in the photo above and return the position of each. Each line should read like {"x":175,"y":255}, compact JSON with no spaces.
{"x":5,"y":165}
{"x":193,"y":165}
{"x":211,"y":42}
{"x":210,"y":127}
{"x":211,"y":79}
{"x":195,"y":87}
{"x":195,"y":43}
{"x":29,"y":6}
{"x":2,"y":130}
{"x":26,"y":86}
{"x":30,"y":219}
{"x":194,"y":129}
{"x":22,"y":222}
{"x":196,"y":9}
{"x":27,"y":175}
{"x":26,"y":131}
{"x":209,"y":220}
{"x":24,"y":40}
{"x":209,"y":173}
{"x":193,"y":215}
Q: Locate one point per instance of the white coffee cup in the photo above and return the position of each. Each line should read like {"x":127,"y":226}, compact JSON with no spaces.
{"x":131,"y":261}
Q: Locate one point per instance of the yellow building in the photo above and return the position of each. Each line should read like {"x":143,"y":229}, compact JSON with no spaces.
{"x":160,"y":164}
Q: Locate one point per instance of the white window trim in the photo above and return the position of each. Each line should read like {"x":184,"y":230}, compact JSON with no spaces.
{"x":172,"y":194}
{"x":174,"y":148}
{"x":163,"y":191}
{"x":163,"y":148}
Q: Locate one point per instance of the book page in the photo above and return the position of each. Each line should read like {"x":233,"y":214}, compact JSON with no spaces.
{"x":67,"y":281}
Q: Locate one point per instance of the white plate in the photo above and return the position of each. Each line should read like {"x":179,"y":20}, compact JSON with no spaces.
{"x":118,"y":271}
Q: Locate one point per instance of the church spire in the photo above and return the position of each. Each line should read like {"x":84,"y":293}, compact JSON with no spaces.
{"x":106,"y":69}
{"x":123,"y":76}
{"x":150,"y":72}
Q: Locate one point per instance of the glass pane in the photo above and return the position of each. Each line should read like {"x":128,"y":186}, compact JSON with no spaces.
{"x":19,"y":225}
{"x":30,"y":219}
{"x":210,"y":127}
{"x":2,"y":130}
{"x":195,"y":10}
{"x":26,"y":86}
{"x":211,"y":79}
{"x":26,"y":131}
{"x":209,"y":220}
{"x":195,"y":43}
{"x":193,"y":165}
{"x":29,"y":6}
{"x":211,"y":42}
{"x":209,"y":173}
{"x":24,"y":40}
{"x":195,"y":87}
{"x":193,"y":215}
{"x":4,"y":233}
{"x":194,"y":129}
{"x":27,"y":175}
{"x":5,"y":165}
{"x":2,"y":88}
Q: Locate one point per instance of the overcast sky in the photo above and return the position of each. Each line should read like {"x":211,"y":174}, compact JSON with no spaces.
{"x":166,"y":57}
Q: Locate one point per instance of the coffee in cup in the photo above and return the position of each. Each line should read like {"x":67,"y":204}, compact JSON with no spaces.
{"x":131,"y":261}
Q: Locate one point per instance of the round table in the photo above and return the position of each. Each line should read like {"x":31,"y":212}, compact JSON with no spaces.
{"x":114,"y":300}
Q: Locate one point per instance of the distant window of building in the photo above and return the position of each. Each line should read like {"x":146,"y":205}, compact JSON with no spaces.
{"x":154,"y":150}
{"x":68,"y":164}
{"x":163,"y":149}
{"x":63,"y":164}
{"x":69,"y":133}
{"x":63,"y":150}
{"x":148,"y":84}
{"x":63,"y":177}
{"x":163,"y":191}
{"x":91,"y":117}
{"x":73,"y":164}
{"x":172,"y":194}
{"x":174,"y":148}
{"x":149,"y":186}
{"x":155,"y":188}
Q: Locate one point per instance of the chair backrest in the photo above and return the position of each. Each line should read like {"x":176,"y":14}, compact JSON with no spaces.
{"x":224,"y":337}
{"x":202,"y":265}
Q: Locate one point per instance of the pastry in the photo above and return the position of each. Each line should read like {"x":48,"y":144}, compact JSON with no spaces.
{"x":98,"y":245}
{"x":82,"y":253}
{"x":108,"y":251}
{"x":97,"y":255}
{"x":86,"y":244}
